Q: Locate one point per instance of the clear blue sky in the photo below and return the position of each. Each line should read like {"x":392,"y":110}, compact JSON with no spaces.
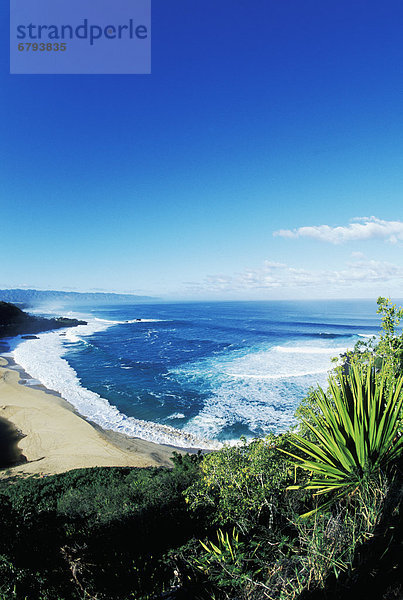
{"x":259,"y":116}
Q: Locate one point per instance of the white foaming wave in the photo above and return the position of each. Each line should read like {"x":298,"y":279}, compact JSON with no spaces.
{"x":226,"y":408}
{"x":131,"y":321}
{"x":281,"y":362}
{"x":78,"y":334}
{"x":310,"y":350}
{"x":176,"y":415}
{"x":260,"y":388}
{"x":42,"y":359}
{"x":288,"y":376}
{"x":260,"y":405}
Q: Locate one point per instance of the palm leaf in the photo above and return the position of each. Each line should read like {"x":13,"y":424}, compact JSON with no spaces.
{"x":356,"y":431}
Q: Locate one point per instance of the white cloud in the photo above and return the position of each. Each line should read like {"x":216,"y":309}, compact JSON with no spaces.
{"x":361,"y":228}
{"x":359,"y":271}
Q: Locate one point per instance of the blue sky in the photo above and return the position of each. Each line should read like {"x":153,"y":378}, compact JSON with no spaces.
{"x":259,"y":117}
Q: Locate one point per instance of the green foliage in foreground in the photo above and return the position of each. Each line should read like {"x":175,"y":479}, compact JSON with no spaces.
{"x":390,"y":346}
{"x":356,"y":431}
{"x":130,"y":534}
{"x":101,"y":532}
{"x":227,"y":526}
{"x":385,"y":350}
{"x":281,"y":559}
{"x":243,"y":485}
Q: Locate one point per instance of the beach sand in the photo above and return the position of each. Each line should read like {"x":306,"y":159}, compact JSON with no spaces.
{"x":57,"y":439}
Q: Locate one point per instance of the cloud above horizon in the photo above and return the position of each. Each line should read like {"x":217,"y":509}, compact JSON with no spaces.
{"x":282,"y":276}
{"x":360,"y":228}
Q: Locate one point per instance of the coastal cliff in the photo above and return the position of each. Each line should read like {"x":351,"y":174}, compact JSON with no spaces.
{"x":14,"y":321}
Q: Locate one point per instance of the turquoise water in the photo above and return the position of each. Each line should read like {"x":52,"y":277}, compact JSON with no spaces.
{"x":197,"y":371}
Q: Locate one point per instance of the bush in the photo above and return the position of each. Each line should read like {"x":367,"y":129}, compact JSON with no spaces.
{"x":243,"y":485}
{"x":356,"y":430}
{"x":101,"y":531}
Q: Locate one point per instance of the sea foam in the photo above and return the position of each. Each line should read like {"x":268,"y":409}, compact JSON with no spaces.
{"x":259,"y":388}
{"x":43,"y":359}
{"x":256,"y":387}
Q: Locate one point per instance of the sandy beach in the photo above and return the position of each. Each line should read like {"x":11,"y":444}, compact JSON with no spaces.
{"x":57,"y":439}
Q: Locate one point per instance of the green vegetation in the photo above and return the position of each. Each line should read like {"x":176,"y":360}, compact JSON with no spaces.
{"x":242,"y":485}
{"x":228,"y":525}
{"x":390,"y":347}
{"x":387,"y":352}
{"x":99,"y":532}
{"x":356,"y":426}
{"x":14,"y":321}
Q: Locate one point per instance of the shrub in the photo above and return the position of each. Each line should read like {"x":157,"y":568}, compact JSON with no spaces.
{"x":356,"y":431}
{"x":243,"y":485}
{"x":103,"y":532}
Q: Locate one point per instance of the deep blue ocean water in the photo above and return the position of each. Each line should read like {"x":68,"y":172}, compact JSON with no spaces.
{"x":194,"y":371}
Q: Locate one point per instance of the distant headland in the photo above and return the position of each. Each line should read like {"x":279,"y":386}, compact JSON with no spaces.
{"x":32,"y":297}
{"x":14,"y":321}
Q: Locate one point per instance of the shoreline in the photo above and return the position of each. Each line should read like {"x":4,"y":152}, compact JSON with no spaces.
{"x":56,"y":438}
{"x":42,"y":356}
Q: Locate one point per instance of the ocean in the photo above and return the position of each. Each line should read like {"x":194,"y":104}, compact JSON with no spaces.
{"x":194,"y":374}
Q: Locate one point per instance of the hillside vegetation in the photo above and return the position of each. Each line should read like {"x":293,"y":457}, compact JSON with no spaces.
{"x":14,"y":321}
{"x":311,"y":514}
{"x":31,"y":297}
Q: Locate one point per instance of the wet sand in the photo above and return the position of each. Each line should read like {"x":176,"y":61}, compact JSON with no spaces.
{"x":45,"y":429}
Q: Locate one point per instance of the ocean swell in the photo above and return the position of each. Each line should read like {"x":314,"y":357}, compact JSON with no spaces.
{"x":43,"y":359}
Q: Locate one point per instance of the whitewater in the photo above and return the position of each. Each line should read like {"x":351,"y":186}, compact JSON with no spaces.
{"x":194,"y":375}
